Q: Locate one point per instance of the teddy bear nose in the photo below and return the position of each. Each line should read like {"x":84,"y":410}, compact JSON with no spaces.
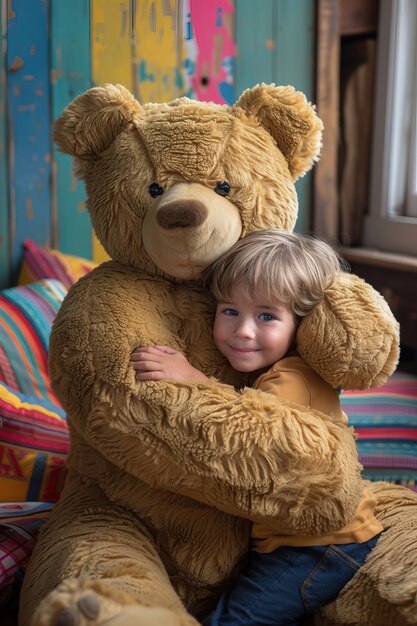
{"x":183,"y":214}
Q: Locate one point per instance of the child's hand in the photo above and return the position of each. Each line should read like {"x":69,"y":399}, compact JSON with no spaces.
{"x":163,"y":363}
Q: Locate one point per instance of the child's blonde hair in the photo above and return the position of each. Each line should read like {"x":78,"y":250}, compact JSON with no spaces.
{"x":289,"y":268}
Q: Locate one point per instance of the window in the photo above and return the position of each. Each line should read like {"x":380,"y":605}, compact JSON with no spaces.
{"x":392,"y":222}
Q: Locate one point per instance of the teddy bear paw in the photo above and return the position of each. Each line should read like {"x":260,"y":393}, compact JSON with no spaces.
{"x":87,"y":607}
{"x":67,"y":607}
{"x":64,"y":607}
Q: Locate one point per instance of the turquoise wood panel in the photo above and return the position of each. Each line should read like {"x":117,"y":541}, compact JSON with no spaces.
{"x":70,"y":76}
{"x":4,"y":211}
{"x":275,"y":44}
{"x":294,"y":63}
{"x":29,"y":130}
{"x":294,"y":49}
{"x":254,"y":30}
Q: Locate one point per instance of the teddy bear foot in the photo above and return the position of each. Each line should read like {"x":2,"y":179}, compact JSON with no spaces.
{"x":88,"y":608}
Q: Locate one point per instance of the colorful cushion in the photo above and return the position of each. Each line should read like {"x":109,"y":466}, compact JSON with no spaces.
{"x":385,"y":420}
{"x":26,"y":316}
{"x":40,"y":262}
{"x":33,"y":437}
{"x":33,"y":448}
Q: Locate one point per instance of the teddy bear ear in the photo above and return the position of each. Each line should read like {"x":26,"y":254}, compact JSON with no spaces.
{"x":291,"y":120}
{"x":91,"y":122}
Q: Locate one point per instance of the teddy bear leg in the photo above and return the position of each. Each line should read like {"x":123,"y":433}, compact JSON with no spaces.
{"x":95,"y":564}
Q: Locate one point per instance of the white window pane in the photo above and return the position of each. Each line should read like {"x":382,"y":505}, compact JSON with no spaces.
{"x":392,"y":222}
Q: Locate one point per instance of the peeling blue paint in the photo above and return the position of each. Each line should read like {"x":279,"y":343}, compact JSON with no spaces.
{"x":143,"y":74}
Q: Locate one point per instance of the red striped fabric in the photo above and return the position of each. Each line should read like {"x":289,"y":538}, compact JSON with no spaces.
{"x":387,"y":433}
{"x":385,"y":420}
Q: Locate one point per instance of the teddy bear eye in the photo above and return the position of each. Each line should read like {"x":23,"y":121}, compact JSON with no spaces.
{"x":222,"y":188}
{"x":155,"y":190}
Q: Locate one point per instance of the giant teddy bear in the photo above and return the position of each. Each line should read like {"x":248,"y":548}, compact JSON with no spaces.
{"x":164,"y":478}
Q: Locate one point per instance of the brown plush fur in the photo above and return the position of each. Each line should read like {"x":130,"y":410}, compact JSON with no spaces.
{"x":165,"y":477}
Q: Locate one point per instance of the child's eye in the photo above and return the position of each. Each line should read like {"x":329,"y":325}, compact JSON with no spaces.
{"x":267,"y":317}
{"x":229,"y":312}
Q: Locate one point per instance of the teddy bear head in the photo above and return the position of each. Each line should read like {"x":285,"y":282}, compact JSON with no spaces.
{"x":172,"y":186}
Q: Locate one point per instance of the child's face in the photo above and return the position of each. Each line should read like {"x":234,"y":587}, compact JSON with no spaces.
{"x":252,"y":335}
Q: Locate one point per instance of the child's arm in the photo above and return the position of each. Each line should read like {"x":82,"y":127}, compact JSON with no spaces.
{"x":163,"y":363}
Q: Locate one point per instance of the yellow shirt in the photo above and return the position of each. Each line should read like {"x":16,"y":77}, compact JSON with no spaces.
{"x":292,"y":379}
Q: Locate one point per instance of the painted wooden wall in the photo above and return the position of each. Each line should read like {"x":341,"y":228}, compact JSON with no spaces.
{"x":160,"y":49}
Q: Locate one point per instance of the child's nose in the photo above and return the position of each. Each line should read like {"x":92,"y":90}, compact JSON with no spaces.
{"x":245,"y":329}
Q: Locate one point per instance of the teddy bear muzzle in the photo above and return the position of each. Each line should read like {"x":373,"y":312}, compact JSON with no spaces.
{"x":189,"y":227}
{"x":182,"y":214}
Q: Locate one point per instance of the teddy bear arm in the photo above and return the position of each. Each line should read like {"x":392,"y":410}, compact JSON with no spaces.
{"x":351,"y":338}
{"x":246,"y":454}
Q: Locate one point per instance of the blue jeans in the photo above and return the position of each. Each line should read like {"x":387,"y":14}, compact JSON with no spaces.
{"x":287,"y":585}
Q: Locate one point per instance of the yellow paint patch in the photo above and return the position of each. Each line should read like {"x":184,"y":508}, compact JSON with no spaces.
{"x":110,"y":42}
{"x":111,"y":57}
{"x":158,"y":50}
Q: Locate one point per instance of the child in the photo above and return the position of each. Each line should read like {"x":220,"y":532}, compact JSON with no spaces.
{"x":264,"y":285}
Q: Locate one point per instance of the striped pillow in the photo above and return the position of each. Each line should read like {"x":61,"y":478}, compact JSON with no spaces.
{"x":40,"y":262}
{"x":385,"y":420}
{"x":33,"y":435}
{"x":26,"y":316}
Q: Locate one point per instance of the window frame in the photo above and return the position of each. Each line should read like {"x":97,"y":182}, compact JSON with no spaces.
{"x":387,"y":226}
